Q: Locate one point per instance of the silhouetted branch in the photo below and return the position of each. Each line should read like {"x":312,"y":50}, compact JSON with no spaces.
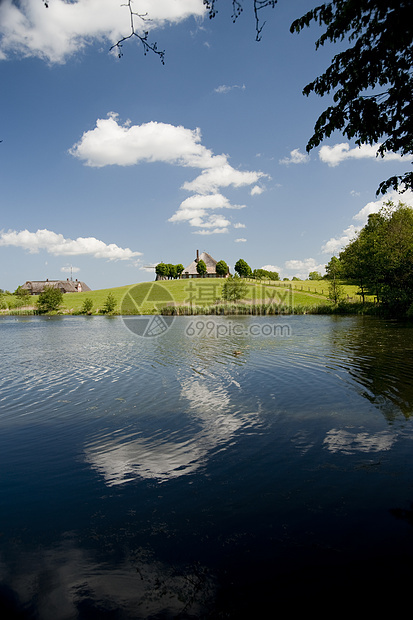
{"x":143,"y":38}
{"x":237,"y":9}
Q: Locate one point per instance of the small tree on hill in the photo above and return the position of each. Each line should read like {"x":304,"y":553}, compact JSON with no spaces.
{"x":334,"y":269}
{"x":87,"y":306}
{"x":21,"y":292}
{"x":201,"y":268}
{"x":161,"y":270}
{"x":234,"y":289}
{"x":315,"y":275}
{"x":109,"y":305}
{"x":50,"y":300}
{"x":179,"y":269}
{"x":221,"y":268}
{"x":242,"y":268}
{"x":335,"y":292}
{"x":172,"y":271}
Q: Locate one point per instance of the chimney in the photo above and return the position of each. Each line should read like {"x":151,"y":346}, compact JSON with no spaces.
{"x":197,"y":255}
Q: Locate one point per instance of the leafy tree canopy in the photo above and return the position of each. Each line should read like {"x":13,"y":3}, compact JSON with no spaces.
{"x":242,"y":268}
{"x":234,"y":289}
{"x":222,"y":268}
{"x":50,"y":300}
{"x":371,"y":81}
{"x":334,"y":269}
{"x":167,"y":270}
{"x":380,"y":258}
{"x":201,"y":267}
{"x":21,"y":292}
{"x":315,"y":275}
{"x":265,"y":274}
{"x":110,"y":304}
{"x":87,"y":306}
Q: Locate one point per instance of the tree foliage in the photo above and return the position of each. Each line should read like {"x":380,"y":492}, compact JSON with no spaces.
{"x":334,"y":269}
{"x":222,"y":268}
{"x":264,"y":274}
{"x":371,"y":79}
{"x":49,"y":300}
{"x":315,"y":275}
{"x":234,"y":289}
{"x":167,"y":271}
{"x":380,"y":258}
{"x":242,"y":268}
{"x":109,"y":306}
{"x":87,"y":306}
{"x":21,"y":292}
{"x":335,"y":291}
{"x":201,"y":267}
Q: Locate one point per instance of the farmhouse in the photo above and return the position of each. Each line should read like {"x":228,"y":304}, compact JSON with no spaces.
{"x":211,"y":265}
{"x":35,"y":287}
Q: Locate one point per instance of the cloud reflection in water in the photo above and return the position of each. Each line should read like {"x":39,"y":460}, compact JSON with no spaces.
{"x":207,"y":420}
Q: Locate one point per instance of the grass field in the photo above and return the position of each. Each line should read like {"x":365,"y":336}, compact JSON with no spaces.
{"x":153,"y":298}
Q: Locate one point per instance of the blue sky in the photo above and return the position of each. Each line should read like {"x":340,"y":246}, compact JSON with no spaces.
{"x":112,"y":165}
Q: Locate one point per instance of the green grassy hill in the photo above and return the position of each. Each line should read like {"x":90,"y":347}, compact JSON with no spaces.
{"x":153,"y":297}
{"x":148,"y":299}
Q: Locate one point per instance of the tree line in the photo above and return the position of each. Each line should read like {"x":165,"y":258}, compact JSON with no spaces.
{"x":380,"y":259}
{"x":168,"y":271}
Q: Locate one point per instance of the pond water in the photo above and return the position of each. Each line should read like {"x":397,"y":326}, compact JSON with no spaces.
{"x":227,"y":466}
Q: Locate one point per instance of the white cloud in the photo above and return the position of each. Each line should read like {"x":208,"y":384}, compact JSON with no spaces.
{"x":256,"y":190}
{"x":334,"y":155}
{"x":111,"y":143}
{"x":296,"y":157}
{"x":336,"y":244}
{"x":65,"y":28}
{"x":222,"y":174}
{"x":375,"y":206}
{"x":271,"y":268}
{"x":69,"y":269}
{"x":196,"y":211}
{"x":222,"y":90}
{"x":214,"y":231}
{"x":239,"y":225}
{"x":241,"y":240}
{"x":56,"y":244}
{"x":301,"y":268}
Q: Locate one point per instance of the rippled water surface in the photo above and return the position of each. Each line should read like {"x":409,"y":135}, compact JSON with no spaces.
{"x":218,"y":469}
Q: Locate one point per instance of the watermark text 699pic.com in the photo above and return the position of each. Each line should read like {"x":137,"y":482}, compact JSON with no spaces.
{"x":221,"y":329}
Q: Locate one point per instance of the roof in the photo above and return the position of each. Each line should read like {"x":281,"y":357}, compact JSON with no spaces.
{"x":68,"y":286}
{"x":211,"y":264}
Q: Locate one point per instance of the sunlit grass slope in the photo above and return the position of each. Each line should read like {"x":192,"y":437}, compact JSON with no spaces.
{"x":150,"y":297}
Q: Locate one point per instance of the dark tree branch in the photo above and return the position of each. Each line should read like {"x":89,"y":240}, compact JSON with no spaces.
{"x":143,"y":38}
{"x":237,"y":9}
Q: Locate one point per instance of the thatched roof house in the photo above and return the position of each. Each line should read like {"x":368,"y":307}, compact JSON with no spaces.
{"x":35,"y":287}
{"x":211,"y":265}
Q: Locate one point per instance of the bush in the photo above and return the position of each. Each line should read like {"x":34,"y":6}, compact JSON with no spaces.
{"x":50,"y":300}
{"x":87,"y":306}
{"x":110,"y":304}
{"x":234,"y":289}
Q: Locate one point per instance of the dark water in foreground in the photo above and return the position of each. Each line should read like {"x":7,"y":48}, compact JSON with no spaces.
{"x":204,"y":476}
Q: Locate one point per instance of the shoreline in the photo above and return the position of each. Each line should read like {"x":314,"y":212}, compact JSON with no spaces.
{"x":229,"y":309}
